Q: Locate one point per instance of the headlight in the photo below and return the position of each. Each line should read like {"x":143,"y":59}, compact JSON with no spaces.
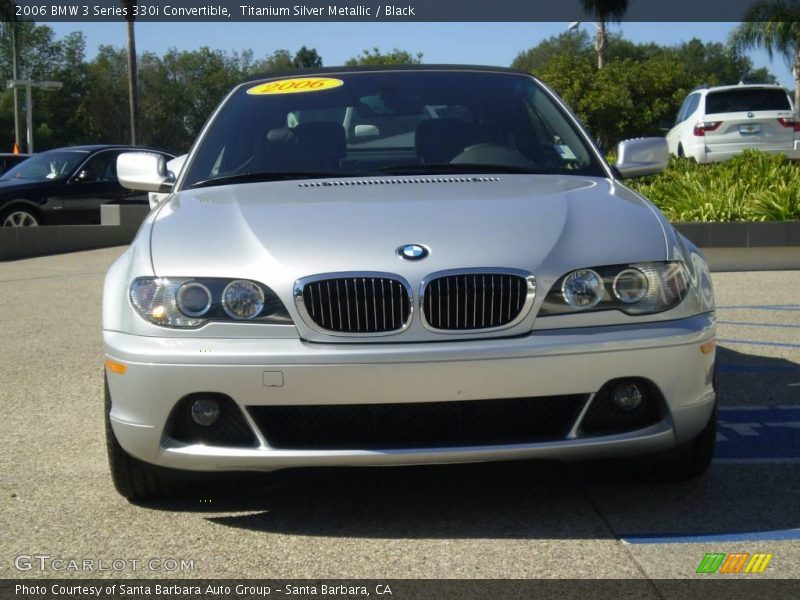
{"x":635,"y":289}
{"x":194,"y":299}
{"x":242,"y":299}
{"x":187,"y":303}
{"x":582,"y":289}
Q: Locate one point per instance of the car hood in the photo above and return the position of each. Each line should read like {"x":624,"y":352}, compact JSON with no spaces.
{"x":278,"y":232}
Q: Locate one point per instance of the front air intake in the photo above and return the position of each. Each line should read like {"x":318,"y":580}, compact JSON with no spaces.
{"x":474,"y":300}
{"x":358,"y":304}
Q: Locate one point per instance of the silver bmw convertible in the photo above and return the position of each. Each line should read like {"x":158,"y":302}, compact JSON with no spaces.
{"x":402,"y":266}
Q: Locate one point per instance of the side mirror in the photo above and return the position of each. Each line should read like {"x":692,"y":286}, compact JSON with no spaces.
{"x":86,"y":175}
{"x":643,"y":156}
{"x":144,"y":171}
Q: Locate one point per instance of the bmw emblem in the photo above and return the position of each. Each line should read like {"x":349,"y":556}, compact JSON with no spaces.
{"x":412,"y":252}
{"x":750,"y":115}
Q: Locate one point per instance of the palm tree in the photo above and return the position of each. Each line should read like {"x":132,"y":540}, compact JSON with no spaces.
{"x":133,"y":96}
{"x":605,"y":12}
{"x":775,"y":26}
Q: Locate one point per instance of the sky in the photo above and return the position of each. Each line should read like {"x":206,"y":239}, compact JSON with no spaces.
{"x":459,"y":43}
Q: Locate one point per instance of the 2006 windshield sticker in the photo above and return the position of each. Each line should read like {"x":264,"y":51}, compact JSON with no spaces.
{"x":298,"y":85}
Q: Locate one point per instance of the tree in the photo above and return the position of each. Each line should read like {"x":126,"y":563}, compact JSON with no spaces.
{"x":775,"y":26}
{"x":133,"y":98}
{"x":376,"y":57}
{"x":604,"y":11}
{"x":627,"y":98}
{"x":279,"y":60}
{"x":8,"y":20}
{"x":180,"y":90}
{"x":42,"y":56}
{"x":106,"y":96}
{"x":307,"y":58}
{"x":573,"y":43}
{"x":641,"y":84}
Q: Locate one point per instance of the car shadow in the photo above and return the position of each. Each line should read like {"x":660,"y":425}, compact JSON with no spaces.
{"x":752,"y":379}
{"x":521,"y":500}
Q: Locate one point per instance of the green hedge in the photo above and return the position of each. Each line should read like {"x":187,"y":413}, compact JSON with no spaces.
{"x":752,"y":186}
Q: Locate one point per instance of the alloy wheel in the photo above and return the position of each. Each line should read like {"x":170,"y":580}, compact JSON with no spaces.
{"x":20,"y":218}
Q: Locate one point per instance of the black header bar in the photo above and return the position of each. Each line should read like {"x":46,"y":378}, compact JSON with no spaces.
{"x":367,"y":10}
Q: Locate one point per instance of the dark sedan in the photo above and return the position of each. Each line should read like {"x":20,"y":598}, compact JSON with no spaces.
{"x":65,"y":186}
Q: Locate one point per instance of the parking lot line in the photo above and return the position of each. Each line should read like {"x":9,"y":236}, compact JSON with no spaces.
{"x":748,"y":536}
{"x":750,"y":324}
{"x":758,"y":343}
{"x":762,"y":307}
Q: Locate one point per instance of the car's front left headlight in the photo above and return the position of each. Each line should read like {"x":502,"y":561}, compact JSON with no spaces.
{"x":635,"y":289}
{"x":189,"y":303}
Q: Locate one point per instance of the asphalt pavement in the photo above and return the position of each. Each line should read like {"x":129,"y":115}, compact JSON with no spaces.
{"x":515,"y":520}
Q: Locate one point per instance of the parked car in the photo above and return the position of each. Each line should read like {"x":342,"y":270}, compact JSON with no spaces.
{"x":174,"y":167}
{"x":715,"y":124}
{"x":8,"y":160}
{"x":343,"y":275}
{"x":65,"y":186}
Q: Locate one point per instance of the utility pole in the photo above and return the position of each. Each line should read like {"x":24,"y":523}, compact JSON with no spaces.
{"x":133,"y":102}
{"x":28,"y":84}
{"x":15,"y":75}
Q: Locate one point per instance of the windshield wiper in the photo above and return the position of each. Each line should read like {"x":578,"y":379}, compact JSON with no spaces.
{"x":264,"y":176}
{"x":416,"y":169}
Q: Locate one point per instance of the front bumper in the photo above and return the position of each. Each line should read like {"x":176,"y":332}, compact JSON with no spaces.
{"x":291,"y":372}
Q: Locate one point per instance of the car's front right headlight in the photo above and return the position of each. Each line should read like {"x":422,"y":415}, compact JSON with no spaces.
{"x":190,"y":303}
{"x":635,"y":289}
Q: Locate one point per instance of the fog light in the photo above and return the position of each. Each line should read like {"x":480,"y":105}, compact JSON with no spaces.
{"x":627,"y":396}
{"x":205,"y":411}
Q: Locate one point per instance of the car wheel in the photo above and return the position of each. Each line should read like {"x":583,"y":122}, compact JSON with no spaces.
{"x":18,"y":217}
{"x":680,"y":151}
{"x":691,"y":460}
{"x":132,"y":478}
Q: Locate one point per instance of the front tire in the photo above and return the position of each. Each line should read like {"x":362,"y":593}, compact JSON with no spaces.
{"x":692,"y":459}
{"x":18,"y":216}
{"x":133,"y":479}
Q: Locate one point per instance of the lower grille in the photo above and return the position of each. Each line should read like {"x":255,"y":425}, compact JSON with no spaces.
{"x":230,"y":429}
{"x":474,"y":300}
{"x":364,"y":304}
{"x":603,"y":418}
{"x":423,"y":424}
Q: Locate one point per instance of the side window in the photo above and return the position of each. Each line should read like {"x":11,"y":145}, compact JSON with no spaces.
{"x":102,"y":167}
{"x":694,"y":102}
{"x":679,"y":118}
{"x":687,"y":109}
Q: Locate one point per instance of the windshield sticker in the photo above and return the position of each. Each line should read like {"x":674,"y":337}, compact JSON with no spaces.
{"x":295,"y":86}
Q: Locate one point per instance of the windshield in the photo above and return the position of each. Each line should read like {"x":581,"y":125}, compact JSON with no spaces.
{"x":377,"y":123}
{"x":753,"y":99}
{"x":47,"y":166}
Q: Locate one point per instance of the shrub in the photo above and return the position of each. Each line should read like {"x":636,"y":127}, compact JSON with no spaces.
{"x":752,"y":186}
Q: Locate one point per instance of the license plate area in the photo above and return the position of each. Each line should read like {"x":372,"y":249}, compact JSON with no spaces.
{"x":750,"y":128}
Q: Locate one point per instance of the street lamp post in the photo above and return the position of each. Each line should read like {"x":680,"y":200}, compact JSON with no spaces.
{"x":29,"y":84}
{"x":14,"y":75}
{"x":599,"y":40}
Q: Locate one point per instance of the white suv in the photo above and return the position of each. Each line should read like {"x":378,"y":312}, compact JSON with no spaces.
{"x":716,"y":123}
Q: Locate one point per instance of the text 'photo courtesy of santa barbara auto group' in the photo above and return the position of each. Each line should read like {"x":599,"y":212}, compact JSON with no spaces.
{"x":399,"y":299}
